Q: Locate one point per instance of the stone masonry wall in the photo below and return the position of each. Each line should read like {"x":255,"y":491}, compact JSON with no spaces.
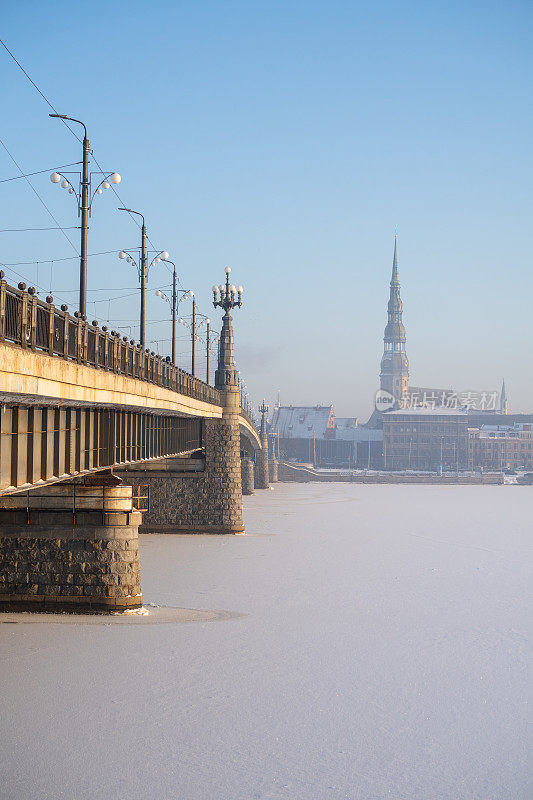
{"x":247,"y":475}
{"x":70,"y":567}
{"x":261,"y":466}
{"x":197,"y":502}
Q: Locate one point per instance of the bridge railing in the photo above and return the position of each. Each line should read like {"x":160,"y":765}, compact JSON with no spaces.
{"x":30,"y":323}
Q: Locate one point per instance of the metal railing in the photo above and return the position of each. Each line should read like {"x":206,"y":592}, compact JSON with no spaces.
{"x":27,"y":321}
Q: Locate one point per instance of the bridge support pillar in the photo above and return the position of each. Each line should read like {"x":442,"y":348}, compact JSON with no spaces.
{"x":273,"y":470}
{"x":70,"y":547}
{"x":261,"y":463}
{"x":247,"y":475}
{"x":209,"y":500}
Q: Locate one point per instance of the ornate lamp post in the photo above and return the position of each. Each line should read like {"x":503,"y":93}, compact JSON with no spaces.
{"x":226,"y":374}
{"x":262,"y":464}
{"x":84,"y":202}
{"x":141,"y":268}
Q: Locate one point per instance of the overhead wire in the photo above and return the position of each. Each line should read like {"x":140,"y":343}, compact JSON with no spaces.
{"x":40,"y":172}
{"x":34,"y":190}
{"x":27,"y":175}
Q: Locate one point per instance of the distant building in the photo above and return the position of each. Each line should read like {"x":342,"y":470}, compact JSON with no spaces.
{"x":307,"y":434}
{"x":312,"y":434}
{"x":367,"y":443}
{"x":425,"y":439}
{"x":395,"y":391}
{"x":394,"y":375}
{"x":504,"y":404}
{"x":304,"y":422}
{"x":501,"y":447}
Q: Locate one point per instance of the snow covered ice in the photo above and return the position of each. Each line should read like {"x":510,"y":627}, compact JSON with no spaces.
{"x":376,"y":648}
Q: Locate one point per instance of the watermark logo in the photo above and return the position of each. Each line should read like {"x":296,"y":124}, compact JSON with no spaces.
{"x":384,"y":400}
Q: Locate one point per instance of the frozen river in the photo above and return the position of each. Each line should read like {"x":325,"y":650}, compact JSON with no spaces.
{"x":379,"y":649}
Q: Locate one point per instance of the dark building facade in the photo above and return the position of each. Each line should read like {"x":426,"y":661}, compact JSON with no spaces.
{"x":425,"y":439}
{"x":394,"y":376}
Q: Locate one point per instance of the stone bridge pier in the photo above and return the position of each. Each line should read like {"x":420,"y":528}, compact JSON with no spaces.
{"x":202,"y":493}
{"x":261,"y":463}
{"x":247,"y":474}
{"x":71,"y":546}
{"x":272,"y":461}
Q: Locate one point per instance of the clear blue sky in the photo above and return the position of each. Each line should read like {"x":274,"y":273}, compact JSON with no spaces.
{"x":287,"y":139}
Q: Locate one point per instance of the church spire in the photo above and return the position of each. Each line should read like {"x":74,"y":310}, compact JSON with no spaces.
{"x":394,"y":376}
{"x":395,"y":280}
{"x":503,"y":399}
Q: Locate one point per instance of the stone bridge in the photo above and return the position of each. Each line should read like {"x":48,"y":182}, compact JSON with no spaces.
{"x":95,"y":433}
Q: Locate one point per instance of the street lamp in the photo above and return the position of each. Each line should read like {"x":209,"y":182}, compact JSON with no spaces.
{"x":207,"y":322}
{"x":84,"y":203}
{"x":227,"y":294}
{"x":174,"y":303}
{"x":141,"y":268}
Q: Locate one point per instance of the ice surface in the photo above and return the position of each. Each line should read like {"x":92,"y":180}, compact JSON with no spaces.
{"x":381,"y":653}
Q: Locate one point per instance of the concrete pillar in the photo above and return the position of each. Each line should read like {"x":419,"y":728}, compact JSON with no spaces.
{"x":70,"y":547}
{"x":247,"y":475}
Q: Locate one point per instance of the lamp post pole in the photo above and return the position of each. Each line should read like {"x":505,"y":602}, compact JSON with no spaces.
{"x":142,"y":273}
{"x":193,"y":334}
{"x":207,"y":353}
{"x":84,"y":205}
{"x":174,"y":310}
{"x":143,"y":283}
{"x":84,"y":224}
{"x":84,"y":212}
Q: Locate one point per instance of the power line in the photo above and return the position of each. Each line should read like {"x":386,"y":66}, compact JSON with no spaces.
{"x":34,"y":190}
{"x":47,"y":101}
{"x":40,"y":172}
{"x":23,"y":230}
{"x":64,"y":258}
{"x":4,"y":45}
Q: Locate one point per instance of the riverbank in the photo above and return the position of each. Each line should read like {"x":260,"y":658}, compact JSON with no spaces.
{"x":304,"y":473}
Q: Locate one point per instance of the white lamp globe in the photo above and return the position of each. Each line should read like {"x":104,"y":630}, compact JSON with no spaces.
{"x":180,"y":321}
{"x":99,"y":190}
{"x":164,"y":255}
{"x":70,"y":190}
{"x":233,"y":288}
{"x":208,"y":321}
{"x":227,"y":270}
{"x":158,"y":293}
{"x":55,"y":177}
{"x":64,"y":184}
{"x":221,"y":288}
{"x":115,"y":177}
{"x":215,"y":289}
{"x":190,"y":293}
{"x":157,"y":260}
{"x":128,"y":259}
{"x":122,"y":254}
{"x":240,"y":289}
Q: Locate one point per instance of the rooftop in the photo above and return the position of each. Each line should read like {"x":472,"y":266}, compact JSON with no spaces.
{"x":426,"y":412}
{"x":302,"y":422}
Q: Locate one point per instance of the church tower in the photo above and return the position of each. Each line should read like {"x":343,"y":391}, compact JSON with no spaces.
{"x":394,"y":377}
{"x":504,"y":403}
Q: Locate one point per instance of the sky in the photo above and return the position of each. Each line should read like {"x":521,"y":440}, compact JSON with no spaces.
{"x":287,"y":140}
